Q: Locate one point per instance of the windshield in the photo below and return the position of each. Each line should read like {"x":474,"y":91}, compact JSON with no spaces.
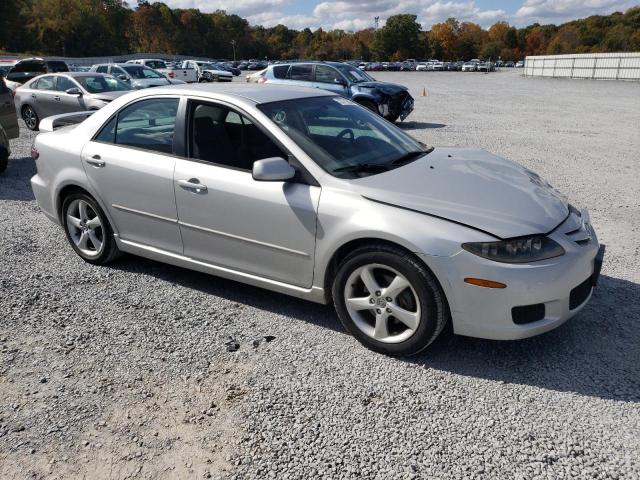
{"x":140,"y":72}
{"x":354,"y":74}
{"x":102,"y":83}
{"x":345,"y":139}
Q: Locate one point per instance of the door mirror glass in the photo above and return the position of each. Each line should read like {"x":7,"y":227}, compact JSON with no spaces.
{"x":275,"y":169}
{"x":123,"y":78}
{"x":73,"y":91}
{"x":339,"y":81}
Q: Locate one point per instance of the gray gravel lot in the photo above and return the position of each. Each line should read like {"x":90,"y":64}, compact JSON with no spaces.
{"x":124,"y":371}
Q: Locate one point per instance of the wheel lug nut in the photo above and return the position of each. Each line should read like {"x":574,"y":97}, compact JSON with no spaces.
{"x":378,"y":293}
{"x":378,"y":311}
{"x":371,"y":300}
{"x":389,"y":299}
{"x":388,"y":310}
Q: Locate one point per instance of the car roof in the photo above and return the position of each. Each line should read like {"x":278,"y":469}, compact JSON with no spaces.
{"x":311,"y":62}
{"x":78,"y":74}
{"x":253,"y":92}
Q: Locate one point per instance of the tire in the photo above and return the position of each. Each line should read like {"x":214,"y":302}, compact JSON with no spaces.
{"x":30,"y":118}
{"x":81,"y":228}
{"x":419,"y":302}
{"x":4,"y":159}
{"x":391,"y":118}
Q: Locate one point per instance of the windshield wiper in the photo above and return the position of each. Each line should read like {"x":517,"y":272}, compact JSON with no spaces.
{"x":410,"y":156}
{"x":361,"y":167}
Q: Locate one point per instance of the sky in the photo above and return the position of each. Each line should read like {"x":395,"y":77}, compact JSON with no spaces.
{"x":356,"y":14}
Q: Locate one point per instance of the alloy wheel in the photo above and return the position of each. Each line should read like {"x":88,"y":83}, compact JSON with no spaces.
{"x":29,"y":117}
{"x":382,"y":303}
{"x":85,"y":228}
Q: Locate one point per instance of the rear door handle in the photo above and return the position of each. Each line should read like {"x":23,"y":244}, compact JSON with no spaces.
{"x":95,"y":161}
{"x":56,"y":98}
{"x":33,"y":95}
{"x":192,"y":184}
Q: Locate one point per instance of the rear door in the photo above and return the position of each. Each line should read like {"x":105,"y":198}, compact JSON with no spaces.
{"x":8,"y":118}
{"x":43,"y":96}
{"x":130,"y":165}
{"x":301,"y":74}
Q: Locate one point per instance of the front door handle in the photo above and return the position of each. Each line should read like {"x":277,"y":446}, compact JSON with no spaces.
{"x":56,"y":98}
{"x":95,"y":161}
{"x":192,"y":184}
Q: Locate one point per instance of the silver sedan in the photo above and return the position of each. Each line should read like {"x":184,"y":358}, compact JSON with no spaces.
{"x":58,"y":93}
{"x":307,"y":193}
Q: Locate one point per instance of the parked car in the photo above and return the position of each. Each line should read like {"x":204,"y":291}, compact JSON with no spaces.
{"x":137,"y":76}
{"x":23,"y":70}
{"x":208,"y":72}
{"x":470,"y":67}
{"x":186,"y":72}
{"x":509,"y":64}
{"x":422,"y":67}
{"x":304,"y":192}
{"x":437,"y":66}
{"x":519,"y":64}
{"x":8,"y":123}
{"x":155,"y":64}
{"x":58,"y":93}
{"x":390,"y":100}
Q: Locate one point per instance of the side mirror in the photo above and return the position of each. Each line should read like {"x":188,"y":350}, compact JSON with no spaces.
{"x":73,"y":91}
{"x":339,"y":81}
{"x":124,"y":78}
{"x":275,"y":169}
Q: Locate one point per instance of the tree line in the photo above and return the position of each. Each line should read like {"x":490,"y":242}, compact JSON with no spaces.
{"x":111,"y":27}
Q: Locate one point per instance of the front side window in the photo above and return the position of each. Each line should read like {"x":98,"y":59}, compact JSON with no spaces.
{"x":326,"y":74}
{"x":223,"y":136}
{"x":47,"y":82}
{"x":102,"y":69}
{"x":63,"y":84}
{"x":354,"y":75}
{"x":301,"y":72}
{"x":148,"y":124}
{"x":345,"y":139}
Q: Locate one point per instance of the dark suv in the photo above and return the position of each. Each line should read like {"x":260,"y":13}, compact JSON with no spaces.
{"x":390,"y":100}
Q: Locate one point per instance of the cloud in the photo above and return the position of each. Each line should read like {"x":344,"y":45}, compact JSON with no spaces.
{"x":558,"y":11}
{"x":359,"y":14}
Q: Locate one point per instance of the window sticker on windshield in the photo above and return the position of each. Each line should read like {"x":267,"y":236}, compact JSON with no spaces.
{"x":342,"y":101}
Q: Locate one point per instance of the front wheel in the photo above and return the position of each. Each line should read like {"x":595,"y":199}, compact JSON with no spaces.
{"x":88,"y":230}
{"x":389,"y":300}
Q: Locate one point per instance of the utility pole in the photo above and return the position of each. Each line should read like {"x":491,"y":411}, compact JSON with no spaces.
{"x":233,"y":44}
{"x":376,"y":22}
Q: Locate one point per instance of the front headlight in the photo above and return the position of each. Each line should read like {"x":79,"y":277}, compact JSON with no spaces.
{"x":519,"y":250}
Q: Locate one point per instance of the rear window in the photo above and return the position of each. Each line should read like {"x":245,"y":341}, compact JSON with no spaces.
{"x":280,"y":71}
{"x":30,"y":66}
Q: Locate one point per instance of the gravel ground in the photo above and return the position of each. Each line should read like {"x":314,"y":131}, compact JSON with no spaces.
{"x":131,"y":370}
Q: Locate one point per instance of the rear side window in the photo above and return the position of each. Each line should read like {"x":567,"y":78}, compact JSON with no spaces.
{"x":148,"y":124}
{"x":57,"y":66}
{"x":301,"y":72}
{"x":280,"y":71}
{"x":46,"y":83}
{"x":102,"y":69}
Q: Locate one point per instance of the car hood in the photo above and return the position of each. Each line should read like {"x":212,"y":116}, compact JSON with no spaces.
{"x":384,"y":87}
{"x":149,"y":82}
{"x":471,"y":187}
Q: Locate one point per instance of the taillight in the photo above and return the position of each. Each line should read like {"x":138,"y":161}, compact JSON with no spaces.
{"x":172,"y":75}
{"x":35,"y":154}
{"x":262,"y":80}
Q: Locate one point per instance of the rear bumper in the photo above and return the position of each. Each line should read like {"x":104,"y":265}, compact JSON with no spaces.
{"x":42,"y":194}
{"x":563,"y":285}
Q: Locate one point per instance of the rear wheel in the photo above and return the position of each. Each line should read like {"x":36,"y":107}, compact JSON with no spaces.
{"x":389,"y":300}
{"x":30,"y":117}
{"x":88,"y":230}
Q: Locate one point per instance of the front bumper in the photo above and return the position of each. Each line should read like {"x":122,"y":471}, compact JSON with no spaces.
{"x":563,"y":285}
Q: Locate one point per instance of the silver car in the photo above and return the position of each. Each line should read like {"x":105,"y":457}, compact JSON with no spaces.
{"x":307,"y":193}
{"x":67,"y":92}
{"x":8,"y":123}
{"x":137,"y":76}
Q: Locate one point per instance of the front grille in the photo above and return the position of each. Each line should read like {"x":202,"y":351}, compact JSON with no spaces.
{"x":528,"y":313}
{"x":580,"y":294}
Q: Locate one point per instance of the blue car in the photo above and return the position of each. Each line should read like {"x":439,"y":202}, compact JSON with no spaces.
{"x":389,"y":100}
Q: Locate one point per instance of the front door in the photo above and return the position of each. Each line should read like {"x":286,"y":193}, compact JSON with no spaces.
{"x":228,"y":219}
{"x":328,"y":78}
{"x":68,"y":103}
{"x":130,"y":165}
{"x":8,"y":118}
